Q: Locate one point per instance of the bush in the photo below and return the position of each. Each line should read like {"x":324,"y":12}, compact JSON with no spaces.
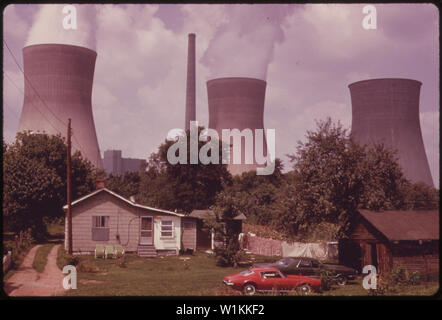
{"x":327,"y":279}
{"x":397,"y":278}
{"x":231,"y":255}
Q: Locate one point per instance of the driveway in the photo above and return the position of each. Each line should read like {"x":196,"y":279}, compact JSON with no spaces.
{"x":26,"y":282}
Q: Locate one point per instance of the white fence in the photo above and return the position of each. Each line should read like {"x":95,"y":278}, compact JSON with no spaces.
{"x":7,"y":259}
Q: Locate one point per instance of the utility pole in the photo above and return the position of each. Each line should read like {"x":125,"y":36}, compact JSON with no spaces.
{"x":68,"y":176}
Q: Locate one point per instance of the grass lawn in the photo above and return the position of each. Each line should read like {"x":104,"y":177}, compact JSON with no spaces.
{"x":161,"y":276}
{"x":41,"y":257}
{"x":354,"y":288}
{"x":173,"y":276}
{"x":55,"y":229}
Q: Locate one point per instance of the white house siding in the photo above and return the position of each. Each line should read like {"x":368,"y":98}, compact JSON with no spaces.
{"x":161,"y":243}
{"x":122,"y":217}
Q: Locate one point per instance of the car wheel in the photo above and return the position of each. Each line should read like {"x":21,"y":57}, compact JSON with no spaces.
{"x":304,"y":289}
{"x":249,"y":289}
{"x":342,"y":280}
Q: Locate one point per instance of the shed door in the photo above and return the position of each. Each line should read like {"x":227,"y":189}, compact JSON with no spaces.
{"x":146,"y":231}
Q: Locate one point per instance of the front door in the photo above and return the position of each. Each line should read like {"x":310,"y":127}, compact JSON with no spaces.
{"x":146,"y":231}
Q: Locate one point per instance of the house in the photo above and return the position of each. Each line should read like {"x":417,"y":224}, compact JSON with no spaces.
{"x":104,"y":217}
{"x":206,"y":239}
{"x":389,"y":239}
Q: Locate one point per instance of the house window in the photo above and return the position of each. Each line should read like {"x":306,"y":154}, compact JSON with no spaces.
{"x":100,"y":228}
{"x":166,"y":229}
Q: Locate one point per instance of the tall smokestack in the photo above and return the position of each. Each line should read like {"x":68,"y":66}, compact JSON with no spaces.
{"x":237,"y":103}
{"x":58,"y":86}
{"x":387,"y":111}
{"x":190,"y":84}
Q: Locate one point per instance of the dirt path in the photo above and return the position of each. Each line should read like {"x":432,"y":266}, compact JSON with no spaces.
{"x":28,"y":282}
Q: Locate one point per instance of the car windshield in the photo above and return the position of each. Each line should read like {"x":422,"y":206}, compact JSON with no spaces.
{"x":246,"y":273}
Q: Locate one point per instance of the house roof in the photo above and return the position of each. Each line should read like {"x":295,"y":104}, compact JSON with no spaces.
{"x":405,"y":225}
{"x":202,"y":214}
{"x":124,"y":199}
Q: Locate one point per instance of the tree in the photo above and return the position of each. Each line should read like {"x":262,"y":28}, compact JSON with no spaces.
{"x":255,"y":195}
{"x":183,"y":187}
{"x":127,"y":184}
{"x":335,"y":177}
{"x":419,"y":196}
{"x":34,"y":180}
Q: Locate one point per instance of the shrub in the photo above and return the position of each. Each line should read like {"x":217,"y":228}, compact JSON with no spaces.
{"x":327,"y":279}
{"x":231,"y":255}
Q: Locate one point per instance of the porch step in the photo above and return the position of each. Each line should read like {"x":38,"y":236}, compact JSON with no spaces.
{"x":146,"y":251}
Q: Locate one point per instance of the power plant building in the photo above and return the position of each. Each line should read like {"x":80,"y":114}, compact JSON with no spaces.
{"x":387,"y":111}
{"x":58,"y":87}
{"x":115,"y":164}
{"x":237,"y":103}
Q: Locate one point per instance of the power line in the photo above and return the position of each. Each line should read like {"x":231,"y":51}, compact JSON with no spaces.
{"x":30,"y":83}
{"x":13,"y":111}
{"x":32,"y":102}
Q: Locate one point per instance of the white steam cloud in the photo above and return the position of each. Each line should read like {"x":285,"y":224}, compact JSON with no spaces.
{"x":48,"y":26}
{"x":243,"y":45}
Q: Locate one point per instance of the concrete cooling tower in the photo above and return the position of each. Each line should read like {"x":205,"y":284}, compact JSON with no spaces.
{"x":387,"y":111}
{"x":58,"y":86}
{"x":237,"y":103}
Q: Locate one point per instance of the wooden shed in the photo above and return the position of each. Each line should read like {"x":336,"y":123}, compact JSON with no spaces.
{"x":104,"y":217}
{"x":389,"y":239}
{"x":205,"y":239}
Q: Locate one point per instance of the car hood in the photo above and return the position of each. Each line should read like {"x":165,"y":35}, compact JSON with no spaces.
{"x":234,"y":278}
{"x":264,"y":265}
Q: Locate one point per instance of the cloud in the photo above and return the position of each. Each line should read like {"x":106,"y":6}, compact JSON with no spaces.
{"x":243,"y":44}
{"x":48,"y":26}
{"x":308,"y":54}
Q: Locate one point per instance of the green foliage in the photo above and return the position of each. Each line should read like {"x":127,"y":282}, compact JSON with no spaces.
{"x":230,"y":255}
{"x":419,"y":196}
{"x":334,"y":177}
{"x":257,"y":197}
{"x":41,"y":257}
{"x":126,"y":185}
{"x":394,"y":282}
{"x":327,"y":279}
{"x":184,"y":187}
{"x":34,"y":181}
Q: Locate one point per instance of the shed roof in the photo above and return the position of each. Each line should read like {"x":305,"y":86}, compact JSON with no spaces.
{"x":405,"y":225}
{"x":124,"y":199}
{"x":202,"y":214}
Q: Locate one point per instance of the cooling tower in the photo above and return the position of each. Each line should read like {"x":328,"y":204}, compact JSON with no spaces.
{"x":387,"y":111}
{"x":237,"y":103}
{"x":58,"y":86}
{"x":190,"y":84}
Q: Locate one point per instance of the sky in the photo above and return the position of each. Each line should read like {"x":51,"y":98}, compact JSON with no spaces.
{"x":307,"y":53}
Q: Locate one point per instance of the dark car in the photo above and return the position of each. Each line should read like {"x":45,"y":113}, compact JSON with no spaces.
{"x":311,"y":267}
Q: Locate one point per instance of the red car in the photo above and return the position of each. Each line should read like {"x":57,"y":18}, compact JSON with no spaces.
{"x":266,"y":279}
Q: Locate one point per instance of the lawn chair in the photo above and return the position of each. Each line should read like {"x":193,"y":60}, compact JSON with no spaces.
{"x":109,"y":251}
{"x":119,"y":251}
{"x":99,"y":251}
